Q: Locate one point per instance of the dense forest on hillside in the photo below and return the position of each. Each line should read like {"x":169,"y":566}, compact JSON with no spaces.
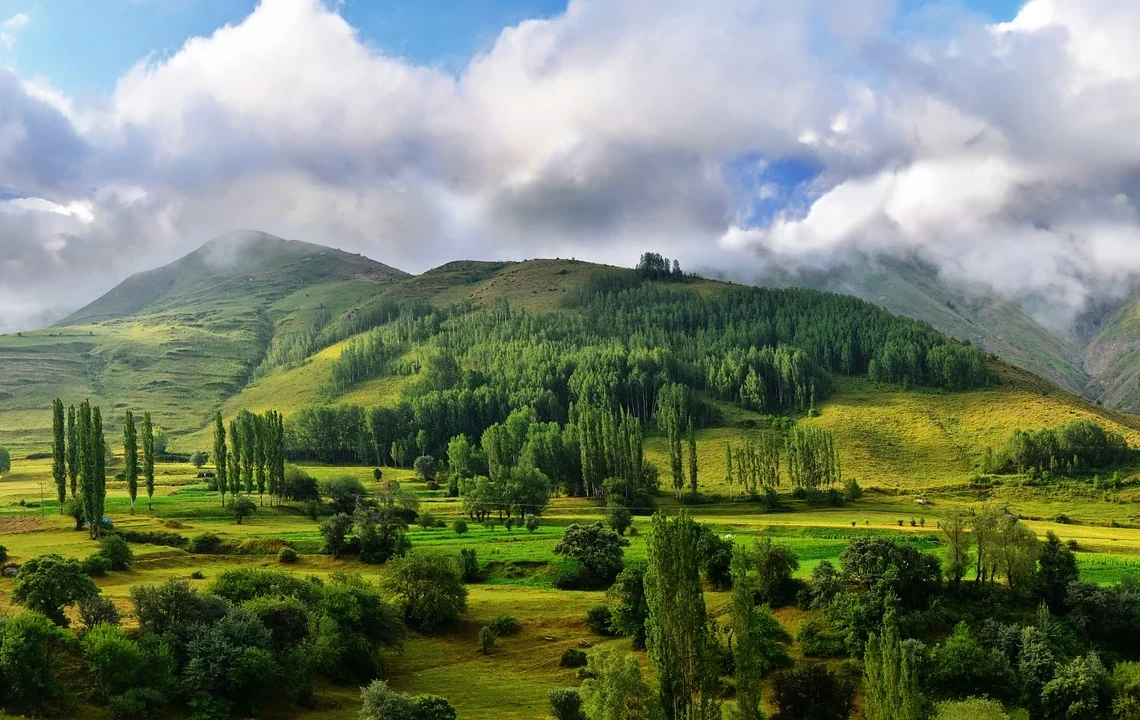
{"x":616,"y":343}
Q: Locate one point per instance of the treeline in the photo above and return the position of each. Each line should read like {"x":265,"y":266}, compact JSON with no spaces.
{"x":1074,"y":447}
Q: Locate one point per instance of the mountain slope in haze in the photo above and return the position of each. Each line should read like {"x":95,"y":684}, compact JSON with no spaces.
{"x":916,"y":289}
{"x":181,"y":339}
{"x":1112,"y":356}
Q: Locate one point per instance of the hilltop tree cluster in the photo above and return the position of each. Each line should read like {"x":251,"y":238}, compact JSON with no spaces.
{"x":1074,"y":447}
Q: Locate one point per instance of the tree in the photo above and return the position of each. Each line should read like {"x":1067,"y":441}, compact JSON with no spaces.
{"x":31,"y":652}
{"x":344,"y":491}
{"x":811,"y":692}
{"x":378,"y":702}
{"x":49,"y":583}
{"x":758,"y":640}
{"x":677,"y":628}
{"x":72,"y":450}
{"x":957,"y":546}
{"x":566,"y":704}
{"x":113,"y":657}
{"x":890,"y":681}
{"x":629,"y":607}
{"x":425,"y":468}
{"x":242,"y":507}
{"x":598,"y":550}
{"x":1126,"y":691}
{"x":221,"y":481}
{"x":5,"y":461}
{"x":198,"y":459}
{"x":334,"y":530}
{"x":131,"y":457}
{"x":618,"y":517}
{"x":692,"y":437}
{"x":58,"y":452}
{"x":615,"y":689}
{"x":148,"y":457}
{"x":1056,"y":570}
{"x":430,"y":589}
{"x":117,"y":552}
{"x":771,"y":567}
{"x":1079,"y":691}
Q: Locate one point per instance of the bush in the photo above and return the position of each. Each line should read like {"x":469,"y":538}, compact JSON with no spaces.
{"x":153,"y":537}
{"x":811,"y":691}
{"x":197,"y":575}
{"x":770,"y":499}
{"x":816,"y":640}
{"x":569,"y":574}
{"x":600,"y":620}
{"x":469,"y":565}
{"x":970,"y":709}
{"x":138,"y":703}
{"x":618,"y":517}
{"x":430,"y":589}
{"x":486,"y":640}
{"x":241,"y":584}
{"x":96,"y":565}
{"x":116,"y":550}
{"x":566,"y":704}
{"x":459,"y":527}
{"x":573,"y":658}
{"x":596,"y":549}
{"x":3,"y":553}
{"x":204,"y":544}
{"x":531,"y":522}
{"x":300,"y":486}
{"x":98,"y":610}
{"x":287,"y":556}
{"x":852,"y":491}
{"x":503,"y":625}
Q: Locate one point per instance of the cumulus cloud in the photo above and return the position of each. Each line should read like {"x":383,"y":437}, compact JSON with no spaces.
{"x":1004,"y":152}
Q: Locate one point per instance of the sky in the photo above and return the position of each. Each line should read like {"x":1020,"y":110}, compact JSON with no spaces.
{"x":995,"y":138}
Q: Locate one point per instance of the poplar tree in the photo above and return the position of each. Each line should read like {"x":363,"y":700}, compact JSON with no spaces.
{"x":72,"y":450}
{"x":148,"y":457}
{"x":890,"y":679}
{"x":59,"y":452}
{"x":86,"y":461}
{"x":99,"y":478}
{"x":220,"y":457}
{"x":131,"y":457}
{"x":677,"y":632}
{"x":692,"y":458}
{"x":248,"y":450}
{"x":235,"y":459}
{"x":260,"y":450}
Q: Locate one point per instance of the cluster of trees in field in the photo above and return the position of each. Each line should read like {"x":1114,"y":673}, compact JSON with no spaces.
{"x":1073,"y":447}
{"x":251,"y":643}
{"x":806,"y":455}
{"x":253,"y":460}
{"x":79,"y":461}
{"x":932,"y":644}
{"x":619,"y":342}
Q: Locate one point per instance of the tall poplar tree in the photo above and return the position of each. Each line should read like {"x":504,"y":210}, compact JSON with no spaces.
{"x":235,"y":460}
{"x":220,"y":457}
{"x":677,"y":627}
{"x":260,"y":451}
{"x":148,"y":457}
{"x":99,"y":479}
{"x":131,"y":457}
{"x":59,"y":452}
{"x":692,"y":458}
{"x":758,"y":639}
{"x":72,"y":450}
{"x":86,"y":462}
{"x":890,"y":680}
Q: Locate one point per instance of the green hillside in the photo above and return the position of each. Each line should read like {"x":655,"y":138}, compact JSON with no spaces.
{"x":182,"y":339}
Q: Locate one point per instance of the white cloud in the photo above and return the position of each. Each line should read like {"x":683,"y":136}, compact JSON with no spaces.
{"x":11,"y":27}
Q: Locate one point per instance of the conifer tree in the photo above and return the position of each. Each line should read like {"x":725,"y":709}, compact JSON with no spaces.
{"x":148,"y":457}
{"x":72,"y":450}
{"x":59,"y":452}
{"x":131,"y":457}
{"x":220,"y":457}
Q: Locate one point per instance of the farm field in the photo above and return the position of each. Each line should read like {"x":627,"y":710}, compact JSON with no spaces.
{"x":513,"y":681}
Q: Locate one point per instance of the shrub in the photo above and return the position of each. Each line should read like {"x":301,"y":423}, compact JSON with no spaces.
{"x":618,"y":517}
{"x":287,"y":556}
{"x":816,"y":640}
{"x":811,"y":691}
{"x":569,"y":574}
{"x":3,"y":553}
{"x":531,"y":522}
{"x":469,"y":565}
{"x":96,"y":565}
{"x":503,"y":625}
{"x":153,"y":537}
{"x":381,"y":703}
{"x":596,"y":549}
{"x":459,"y":527}
{"x":851,"y":490}
{"x":599,"y":619}
{"x":566,"y":704}
{"x":300,"y":486}
{"x":138,"y":703}
{"x":486,"y":640}
{"x":49,"y":583}
{"x":430,"y":589}
{"x":98,"y":610}
{"x":241,"y":584}
{"x":770,"y":499}
{"x":197,"y":575}
{"x":204,"y":544}
{"x":970,"y":709}
{"x":116,"y":550}
{"x":572,"y":658}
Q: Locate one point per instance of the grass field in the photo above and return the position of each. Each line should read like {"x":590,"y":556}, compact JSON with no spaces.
{"x":514,"y":680}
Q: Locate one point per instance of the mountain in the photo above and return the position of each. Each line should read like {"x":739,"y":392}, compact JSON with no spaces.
{"x":181,"y":339}
{"x":251,"y":321}
{"x":972,"y":312}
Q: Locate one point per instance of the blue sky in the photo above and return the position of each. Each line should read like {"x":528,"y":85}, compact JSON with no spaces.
{"x":82,"y":46}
